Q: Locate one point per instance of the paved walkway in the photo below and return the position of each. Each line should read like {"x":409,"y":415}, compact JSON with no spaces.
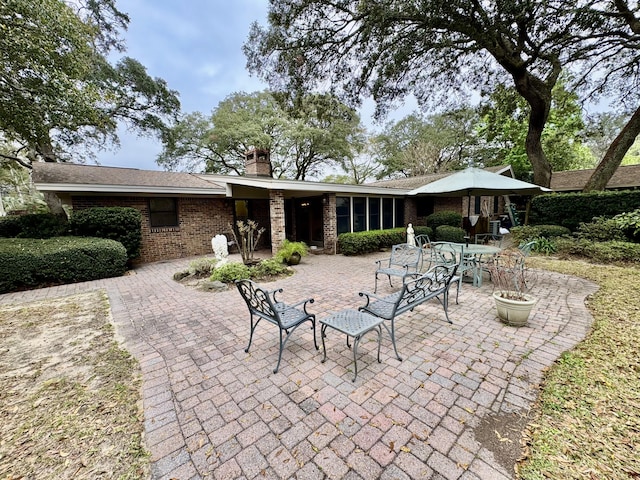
{"x":214,"y":411}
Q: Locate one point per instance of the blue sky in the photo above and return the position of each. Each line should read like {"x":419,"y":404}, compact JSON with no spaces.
{"x":195,"y":46}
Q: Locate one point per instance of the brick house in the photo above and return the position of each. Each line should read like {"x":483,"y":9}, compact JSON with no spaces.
{"x":626,"y":177}
{"x":182,"y":211}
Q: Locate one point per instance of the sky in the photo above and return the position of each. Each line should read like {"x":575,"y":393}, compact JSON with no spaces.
{"x":196,"y":46}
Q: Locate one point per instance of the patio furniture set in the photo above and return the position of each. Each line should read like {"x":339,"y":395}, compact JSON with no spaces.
{"x":447,"y":264}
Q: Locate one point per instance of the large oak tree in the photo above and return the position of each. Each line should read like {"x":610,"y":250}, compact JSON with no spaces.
{"x":429,"y":48}
{"x":60,"y":95}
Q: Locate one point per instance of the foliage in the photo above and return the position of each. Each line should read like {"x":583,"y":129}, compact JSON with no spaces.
{"x":450,"y":218}
{"x":288,"y":248}
{"x":35,"y":225}
{"x":437,"y":51}
{"x":592,"y":388}
{"x":58,"y":89}
{"x":525,"y":233}
{"x":614,"y":251}
{"x":249,"y":234}
{"x":447,"y":233}
{"x":418,"y":145}
{"x":601,"y":229}
{"x":358,"y":243}
{"x":570,"y":209}
{"x":123,"y":224}
{"x":629,"y":222}
{"x":229,"y":272}
{"x":504,"y":131}
{"x":29,"y":263}
{"x":268,"y":268}
{"x":202,"y":267}
{"x":301,"y":133}
{"x":544,"y":245}
{"x":17,"y":192}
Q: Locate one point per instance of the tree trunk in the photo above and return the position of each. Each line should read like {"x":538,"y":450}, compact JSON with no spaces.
{"x":537,"y":93}
{"x":614,"y":155}
{"x":55,"y":204}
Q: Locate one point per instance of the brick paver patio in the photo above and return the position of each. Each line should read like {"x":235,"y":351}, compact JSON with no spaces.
{"x":214,"y":411}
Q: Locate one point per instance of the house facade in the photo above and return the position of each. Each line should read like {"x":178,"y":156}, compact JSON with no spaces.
{"x":181,"y":212}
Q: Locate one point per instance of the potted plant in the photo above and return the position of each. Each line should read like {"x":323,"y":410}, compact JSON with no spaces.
{"x":511,"y":280}
{"x":291,"y":252}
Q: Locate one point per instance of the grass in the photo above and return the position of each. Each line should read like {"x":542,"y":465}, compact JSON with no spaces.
{"x":587,"y":419}
{"x":69,"y":395}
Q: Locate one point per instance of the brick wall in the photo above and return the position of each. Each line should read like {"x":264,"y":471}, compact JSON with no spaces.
{"x":199,"y":220}
{"x":277,"y":214}
{"x":330,"y":223}
{"x":410,"y":211}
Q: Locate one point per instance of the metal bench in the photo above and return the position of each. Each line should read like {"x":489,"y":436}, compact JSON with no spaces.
{"x":264,"y":305}
{"x":404,"y":259}
{"x":434,"y":283}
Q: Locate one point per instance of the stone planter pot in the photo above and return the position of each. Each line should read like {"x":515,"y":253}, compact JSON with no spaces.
{"x":514,"y":312}
{"x":294,"y":259}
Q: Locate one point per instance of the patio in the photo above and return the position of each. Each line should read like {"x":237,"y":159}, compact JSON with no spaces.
{"x":213,"y":410}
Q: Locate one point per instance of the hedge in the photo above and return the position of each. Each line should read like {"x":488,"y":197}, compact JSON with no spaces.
{"x":571,"y":209}
{"x":358,"y":243}
{"x":31,"y":263}
{"x":447,"y":233}
{"x":123,"y":224}
{"x":453,"y":219}
{"x":35,"y":225}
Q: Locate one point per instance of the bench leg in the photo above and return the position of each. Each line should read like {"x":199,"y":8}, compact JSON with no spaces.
{"x":392,"y":334}
{"x":253,"y":327}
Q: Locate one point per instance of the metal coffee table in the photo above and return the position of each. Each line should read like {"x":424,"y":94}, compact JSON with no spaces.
{"x":353,"y":324}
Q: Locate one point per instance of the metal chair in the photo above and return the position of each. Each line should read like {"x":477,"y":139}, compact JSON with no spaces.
{"x":263,"y":305}
{"x":448,"y":254}
{"x":404,"y":259}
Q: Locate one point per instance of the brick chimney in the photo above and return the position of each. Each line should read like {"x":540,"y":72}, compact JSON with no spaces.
{"x":257,"y":163}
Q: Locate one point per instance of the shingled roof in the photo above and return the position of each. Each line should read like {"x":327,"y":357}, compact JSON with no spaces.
{"x":627,"y":176}
{"x":74,"y":177}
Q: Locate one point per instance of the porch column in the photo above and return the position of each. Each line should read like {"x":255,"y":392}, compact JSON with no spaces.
{"x":276,"y":214}
{"x":330,"y":222}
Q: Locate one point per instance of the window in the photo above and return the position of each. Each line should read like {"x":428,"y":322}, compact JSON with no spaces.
{"x":163,"y":212}
{"x":359,"y":214}
{"x":343,"y":214}
{"x":374,"y":214}
{"x":477,"y":206}
{"x":387,"y":213}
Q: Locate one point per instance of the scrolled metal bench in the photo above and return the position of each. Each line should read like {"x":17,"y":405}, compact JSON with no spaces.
{"x":416,"y":289}
{"x":263,"y":304}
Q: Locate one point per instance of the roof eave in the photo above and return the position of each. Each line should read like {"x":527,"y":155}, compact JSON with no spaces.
{"x":80,"y":188}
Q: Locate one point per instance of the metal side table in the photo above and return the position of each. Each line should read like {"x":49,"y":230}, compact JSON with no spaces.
{"x":353,"y":324}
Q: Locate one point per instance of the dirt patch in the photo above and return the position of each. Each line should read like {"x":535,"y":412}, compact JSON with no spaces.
{"x":501,"y":434}
{"x":69,"y":396}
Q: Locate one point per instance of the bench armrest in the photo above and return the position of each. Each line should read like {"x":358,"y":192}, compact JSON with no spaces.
{"x":386,"y":261}
{"x":370,"y":296}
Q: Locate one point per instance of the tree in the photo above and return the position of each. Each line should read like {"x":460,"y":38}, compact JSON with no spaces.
{"x":617,"y":73}
{"x":302,"y":133}
{"x":389,"y":49}
{"x":59,"y":94}
{"x":503,"y":131}
{"x":417,"y":145}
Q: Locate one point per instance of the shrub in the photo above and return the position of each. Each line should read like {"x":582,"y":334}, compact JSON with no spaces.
{"x":229,"y":272}
{"x":601,"y":229}
{"x":629,"y":223}
{"x":544,"y":245}
{"x":600,"y":252}
{"x":571,"y":209}
{"x":29,"y":263}
{"x":35,"y":225}
{"x":358,"y":243}
{"x":123,"y":224}
{"x":452,"y":219}
{"x":447,"y":233}
{"x":527,"y":233}
{"x":423,"y":230}
{"x":268,"y":268}
{"x":202,"y":266}
{"x":289,"y":248}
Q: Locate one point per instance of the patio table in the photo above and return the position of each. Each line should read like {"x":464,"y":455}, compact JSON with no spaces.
{"x":352,"y":323}
{"x":477,"y":250}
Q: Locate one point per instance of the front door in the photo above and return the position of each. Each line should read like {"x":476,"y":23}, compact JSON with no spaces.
{"x":309,"y":222}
